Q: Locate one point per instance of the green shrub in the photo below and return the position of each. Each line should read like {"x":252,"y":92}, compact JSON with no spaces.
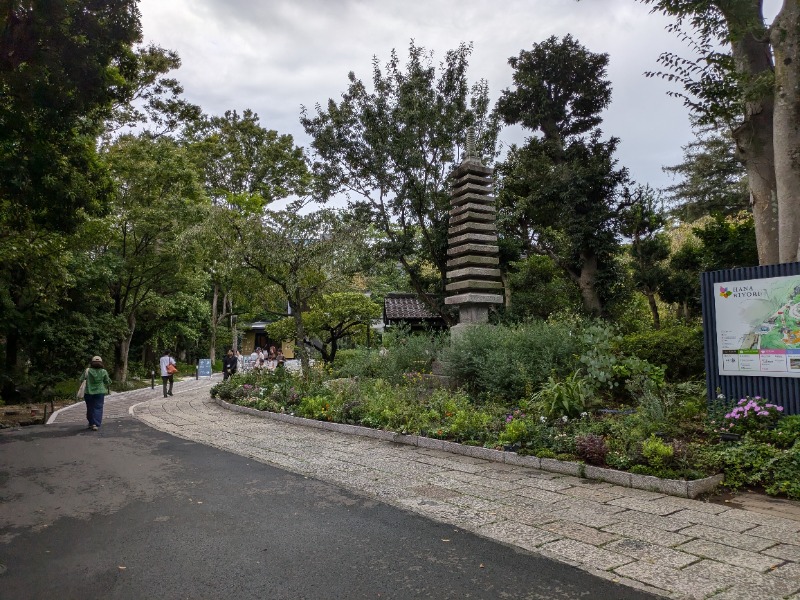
{"x":784,"y":474}
{"x":679,"y":348}
{"x":510,"y":362}
{"x":567,"y":398}
{"x":657,"y":452}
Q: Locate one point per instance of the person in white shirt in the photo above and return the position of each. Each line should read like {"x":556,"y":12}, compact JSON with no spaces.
{"x":166,"y":376}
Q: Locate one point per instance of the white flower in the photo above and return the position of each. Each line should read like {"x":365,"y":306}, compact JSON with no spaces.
{"x":543,"y":419}
{"x":565,"y":418}
{"x":584,"y":414}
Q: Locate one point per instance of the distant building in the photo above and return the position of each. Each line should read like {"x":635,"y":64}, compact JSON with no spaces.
{"x":407,"y":309}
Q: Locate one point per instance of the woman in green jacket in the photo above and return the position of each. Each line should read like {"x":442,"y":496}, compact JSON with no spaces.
{"x":97,"y":382}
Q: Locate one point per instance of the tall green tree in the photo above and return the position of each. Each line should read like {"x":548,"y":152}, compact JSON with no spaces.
{"x":245,"y":167}
{"x":158,"y":197}
{"x":303,"y":256}
{"x":712,"y":180}
{"x":560,"y":192}
{"x":643,"y":223}
{"x":63,"y":64}
{"x":753,"y":88}
{"x":391,"y":149}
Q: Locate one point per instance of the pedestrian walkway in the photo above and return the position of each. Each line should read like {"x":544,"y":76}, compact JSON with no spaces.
{"x":671,"y":546}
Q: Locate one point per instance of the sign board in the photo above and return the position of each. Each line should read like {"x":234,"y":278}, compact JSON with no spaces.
{"x":758,"y":326}
{"x":204,"y":367}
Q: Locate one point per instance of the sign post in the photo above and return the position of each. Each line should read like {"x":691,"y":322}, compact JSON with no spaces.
{"x":204,"y":367}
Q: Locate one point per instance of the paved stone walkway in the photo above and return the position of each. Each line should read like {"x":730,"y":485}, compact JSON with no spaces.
{"x":672,"y":546}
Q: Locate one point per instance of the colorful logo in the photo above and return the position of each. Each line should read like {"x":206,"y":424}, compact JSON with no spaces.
{"x":724,"y":292}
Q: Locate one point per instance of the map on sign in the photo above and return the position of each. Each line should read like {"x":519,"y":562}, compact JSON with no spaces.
{"x":758,"y":326}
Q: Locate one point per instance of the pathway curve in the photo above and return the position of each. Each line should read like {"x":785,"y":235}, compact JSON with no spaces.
{"x":674,"y":546}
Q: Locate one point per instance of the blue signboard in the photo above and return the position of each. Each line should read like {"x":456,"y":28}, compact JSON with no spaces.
{"x":204,"y":367}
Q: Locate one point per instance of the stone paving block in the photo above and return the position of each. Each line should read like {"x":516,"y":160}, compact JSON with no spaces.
{"x":538,"y":495}
{"x":737,"y":540}
{"x":688,"y":503}
{"x":581,"y":533}
{"x":552,"y":485}
{"x":774,"y":533}
{"x":524,"y":536}
{"x":645,"y":506}
{"x":586,"y":554}
{"x":653,"y":521}
{"x":587,"y":506}
{"x":646,"y":533}
{"x":652,"y":553}
{"x":609,"y":475}
{"x":474,"y":479}
{"x":598,"y":520}
{"x":729,"y":555}
{"x":642,"y":494}
{"x":561,"y":466}
{"x":529,"y":515}
{"x":587,"y":492}
{"x":784,"y":551}
{"x":720,"y":521}
{"x":758,"y":518}
{"x":672,"y":580}
{"x":448,"y":513}
{"x":743,"y":591}
{"x":790,"y":570}
{"x":729,"y":575}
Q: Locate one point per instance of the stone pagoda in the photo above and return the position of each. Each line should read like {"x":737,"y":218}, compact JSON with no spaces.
{"x":473,"y":255}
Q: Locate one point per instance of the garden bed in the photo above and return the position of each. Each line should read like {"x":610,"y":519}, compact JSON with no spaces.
{"x":672,"y":487}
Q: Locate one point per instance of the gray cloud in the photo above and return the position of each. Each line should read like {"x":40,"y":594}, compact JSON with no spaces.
{"x":275,"y":56}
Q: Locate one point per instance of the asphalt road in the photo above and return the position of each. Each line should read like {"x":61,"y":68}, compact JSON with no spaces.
{"x":132,"y":513}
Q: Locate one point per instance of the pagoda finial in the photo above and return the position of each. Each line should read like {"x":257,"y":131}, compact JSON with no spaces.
{"x":471,"y":152}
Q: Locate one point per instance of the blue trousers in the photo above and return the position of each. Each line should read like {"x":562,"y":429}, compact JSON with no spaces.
{"x":94,"y":408}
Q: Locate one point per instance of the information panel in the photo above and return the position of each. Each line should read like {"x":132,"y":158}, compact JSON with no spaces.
{"x":204,"y":367}
{"x":758,"y":326}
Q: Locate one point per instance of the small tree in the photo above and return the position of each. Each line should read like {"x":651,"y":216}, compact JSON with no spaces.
{"x":303,"y":256}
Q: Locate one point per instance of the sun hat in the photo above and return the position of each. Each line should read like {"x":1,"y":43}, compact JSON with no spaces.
{"x":97,"y":359}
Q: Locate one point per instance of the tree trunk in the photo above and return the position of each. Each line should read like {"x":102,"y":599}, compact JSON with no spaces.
{"x":121,"y":351}
{"x":586,"y":282}
{"x":506,"y":289}
{"x":213,"y":350}
{"x":651,"y":300}
{"x":300,"y":339}
{"x":751,"y":52}
{"x":234,"y":332}
{"x":785,"y":38}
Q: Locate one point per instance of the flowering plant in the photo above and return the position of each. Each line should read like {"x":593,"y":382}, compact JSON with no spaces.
{"x":751,"y":414}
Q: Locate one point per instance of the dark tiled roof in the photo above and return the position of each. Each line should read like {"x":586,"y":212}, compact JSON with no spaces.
{"x":405,"y":306}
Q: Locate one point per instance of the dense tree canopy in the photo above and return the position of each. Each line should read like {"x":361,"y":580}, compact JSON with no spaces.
{"x":560,"y":192}
{"x":391,"y":149}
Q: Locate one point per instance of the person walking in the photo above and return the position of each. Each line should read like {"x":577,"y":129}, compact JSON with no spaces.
{"x":229,"y":365}
{"x":168,"y":369}
{"x":97,"y":384}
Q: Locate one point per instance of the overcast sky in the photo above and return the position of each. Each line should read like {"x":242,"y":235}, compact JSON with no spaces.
{"x":274,"y":56}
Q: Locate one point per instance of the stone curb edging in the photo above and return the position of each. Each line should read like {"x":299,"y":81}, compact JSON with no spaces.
{"x":671,"y":487}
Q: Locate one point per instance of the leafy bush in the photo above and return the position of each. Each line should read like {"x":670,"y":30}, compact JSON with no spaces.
{"x":657,"y":452}
{"x":591,"y":448}
{"x":784,"y":474}
{"x":569,"y":398}
{"x":510,"y":362}
{"x":679,"y":348}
